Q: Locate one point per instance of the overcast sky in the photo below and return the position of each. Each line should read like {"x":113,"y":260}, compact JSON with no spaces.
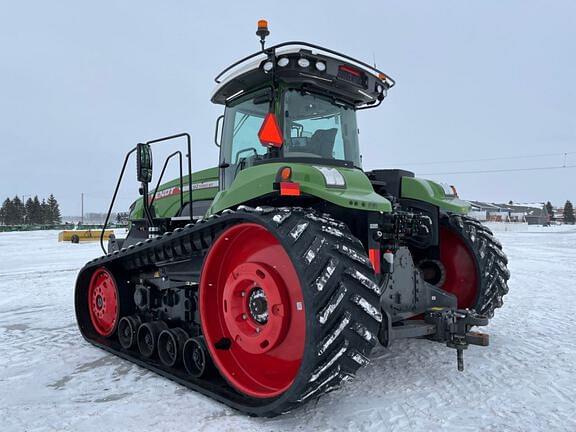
{"x":81,"y":83}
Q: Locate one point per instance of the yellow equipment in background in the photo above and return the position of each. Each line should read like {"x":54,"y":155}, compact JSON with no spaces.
{"x":76,"y":236}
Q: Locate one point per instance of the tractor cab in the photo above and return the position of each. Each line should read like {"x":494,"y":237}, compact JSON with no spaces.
{"x":294,"y":102}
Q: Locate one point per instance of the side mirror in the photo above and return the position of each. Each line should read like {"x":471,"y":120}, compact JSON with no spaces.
{"x":144,"y":163}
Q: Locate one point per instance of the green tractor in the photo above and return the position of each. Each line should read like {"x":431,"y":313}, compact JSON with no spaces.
{"x":266,"y":281}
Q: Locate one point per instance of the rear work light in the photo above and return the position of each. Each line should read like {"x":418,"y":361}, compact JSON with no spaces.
{"x":268,"y":66}
{"x":303,"y":62}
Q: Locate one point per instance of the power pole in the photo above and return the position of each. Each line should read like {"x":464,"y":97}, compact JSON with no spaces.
{"x":82,"y":206}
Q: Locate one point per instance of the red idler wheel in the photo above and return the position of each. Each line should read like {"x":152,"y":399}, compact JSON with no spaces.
{"x":460,"y":268}
{"x":103,"y":302}
{"x":249,"y":295}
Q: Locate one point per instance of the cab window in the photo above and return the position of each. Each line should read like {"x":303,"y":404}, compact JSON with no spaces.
{"x":316,"y":127}
{"x":240,"y":144}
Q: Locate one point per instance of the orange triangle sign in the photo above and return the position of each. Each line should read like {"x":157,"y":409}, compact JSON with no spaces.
{"x":270,"y":133}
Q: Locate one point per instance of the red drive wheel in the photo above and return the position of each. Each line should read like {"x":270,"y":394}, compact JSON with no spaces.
{"x":103,"y":302}
{"x":251,"y":309}
{"x":460,"y":268}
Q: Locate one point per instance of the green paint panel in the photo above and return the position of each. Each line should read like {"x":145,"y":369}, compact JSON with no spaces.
{"x":433,"y":193}
{"x":259,"y":180}
{"x":167,"y":202}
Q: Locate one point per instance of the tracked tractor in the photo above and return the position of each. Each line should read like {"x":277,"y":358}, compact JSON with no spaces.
{"x":266,"y":281}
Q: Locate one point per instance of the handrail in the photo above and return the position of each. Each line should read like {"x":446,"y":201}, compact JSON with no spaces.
{"x":145,"y":197}
{"x":179,"y":153}
{"x":188,"y":156}
{"x":272,"y":49}
{"x":114,"y":199}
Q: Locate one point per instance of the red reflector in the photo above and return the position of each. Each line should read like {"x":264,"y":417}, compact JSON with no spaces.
{"x":374,"y":255}
{"x":289,"y":189}
{"x":270,"y":133}
{"x":350,"y":70}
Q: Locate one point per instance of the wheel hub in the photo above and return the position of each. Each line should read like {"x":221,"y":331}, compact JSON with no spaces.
{"x":249,"y":290}
{"x":258,"y":306}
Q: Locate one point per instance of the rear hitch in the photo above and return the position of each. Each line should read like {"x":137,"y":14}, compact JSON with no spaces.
{"x":440,"y":324}
{"x":453,"y":327}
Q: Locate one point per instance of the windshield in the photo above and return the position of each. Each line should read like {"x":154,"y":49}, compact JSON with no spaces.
{"x":315,"y":127}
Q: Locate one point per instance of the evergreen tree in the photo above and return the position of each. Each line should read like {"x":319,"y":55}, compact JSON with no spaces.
{"x":37,"y":219}
{"x":45,"y":212}
{"x":4,"y":211}
{"x":54,"y":210}
{"x":19,"y":211}
{"x":122,"y":218}
{"x":569,"y":213}
{"x":33,"y":211}
{"x":29,"y":206}
{"x":9,"y":212}
{"x":550,"y":210}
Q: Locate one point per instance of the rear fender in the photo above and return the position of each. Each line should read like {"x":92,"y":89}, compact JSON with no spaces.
{"x":259,"y":181}
{"x":432,"y":193}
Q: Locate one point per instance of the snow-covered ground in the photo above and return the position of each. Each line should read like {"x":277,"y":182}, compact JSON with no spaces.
{"x":51,"y":379}
{"x":499,"y":227}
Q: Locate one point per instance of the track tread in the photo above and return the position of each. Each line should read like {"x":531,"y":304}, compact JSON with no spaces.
{"x":341,"y":333}
{"x":327,"y":251}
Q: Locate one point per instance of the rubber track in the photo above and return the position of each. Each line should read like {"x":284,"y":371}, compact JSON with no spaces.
{"x":492,"y":261}
{"x":342,"y":299}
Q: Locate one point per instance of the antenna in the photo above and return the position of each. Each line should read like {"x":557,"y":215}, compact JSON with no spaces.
{"x":374,"y":59}
{"x":262,"y":31}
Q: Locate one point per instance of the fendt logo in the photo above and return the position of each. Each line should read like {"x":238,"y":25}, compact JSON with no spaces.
{"x":175,"y":190}
{"x":164,"y":193}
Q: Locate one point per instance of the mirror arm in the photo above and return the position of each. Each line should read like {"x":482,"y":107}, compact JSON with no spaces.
{"x":218,"y":121}
{"x":146,"y":205}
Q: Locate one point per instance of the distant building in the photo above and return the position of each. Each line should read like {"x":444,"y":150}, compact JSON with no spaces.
{"x":532,"y":213}
{"x":484,"y":211}
{"x":558,"y":215}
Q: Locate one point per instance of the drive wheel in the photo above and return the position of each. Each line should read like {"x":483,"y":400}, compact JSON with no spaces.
{"x":474,"y":265}
{"x":288,"y":305}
